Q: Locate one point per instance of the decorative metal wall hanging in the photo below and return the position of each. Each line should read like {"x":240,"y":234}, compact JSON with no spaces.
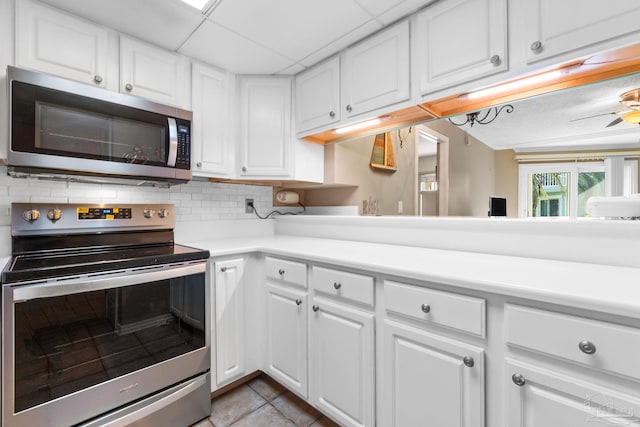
{"x":484,"y":118}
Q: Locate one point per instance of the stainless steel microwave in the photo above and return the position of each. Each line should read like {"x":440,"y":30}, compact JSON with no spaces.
{"x":61,"y":129}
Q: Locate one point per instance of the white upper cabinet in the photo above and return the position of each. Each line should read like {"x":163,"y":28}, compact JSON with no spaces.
{"x":154,"y":73}
{"x":554,"y":27}
{"x":376,"y":71}
{"x":318,"y":96}
{"x":211,"y":144}
{"x":459,"y":41}
{"x":265,"y":126}
{"x":57,"y":43}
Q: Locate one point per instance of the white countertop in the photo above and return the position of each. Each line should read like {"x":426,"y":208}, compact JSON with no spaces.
{"x":610,"y":289}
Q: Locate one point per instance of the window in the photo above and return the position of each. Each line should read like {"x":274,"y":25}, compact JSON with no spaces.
{"x":562,"y":189}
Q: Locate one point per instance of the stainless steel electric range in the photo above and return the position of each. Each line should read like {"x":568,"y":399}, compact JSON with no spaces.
{"x":104,"y":319}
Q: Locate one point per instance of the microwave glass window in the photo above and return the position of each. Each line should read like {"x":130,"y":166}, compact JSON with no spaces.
{"x":99,"y":136}
{"x":67,"y":343}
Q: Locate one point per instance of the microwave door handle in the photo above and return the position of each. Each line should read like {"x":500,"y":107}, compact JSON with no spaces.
{"x":173,"y":142}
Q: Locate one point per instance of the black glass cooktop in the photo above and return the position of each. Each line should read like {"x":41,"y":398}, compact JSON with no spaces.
{"x":63,"y":263}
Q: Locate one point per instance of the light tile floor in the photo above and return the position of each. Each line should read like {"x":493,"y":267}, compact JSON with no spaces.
{"x":262,"y":402}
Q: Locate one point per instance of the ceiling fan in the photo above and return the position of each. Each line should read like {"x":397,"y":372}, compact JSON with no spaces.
{"x":631,"y":100}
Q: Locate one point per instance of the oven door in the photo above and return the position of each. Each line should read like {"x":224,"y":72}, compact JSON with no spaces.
{"x":78,"y":348}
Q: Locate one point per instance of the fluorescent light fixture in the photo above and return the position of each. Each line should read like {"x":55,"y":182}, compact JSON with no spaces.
{"x":198,"y":4}
{"x":518,"y":84}
{"x":361,"y":125}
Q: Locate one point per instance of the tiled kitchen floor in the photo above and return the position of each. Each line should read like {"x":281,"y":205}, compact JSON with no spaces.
{"x":262,"y":402}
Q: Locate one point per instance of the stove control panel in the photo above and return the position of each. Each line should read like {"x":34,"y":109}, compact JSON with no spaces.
{"x":75,"y":218}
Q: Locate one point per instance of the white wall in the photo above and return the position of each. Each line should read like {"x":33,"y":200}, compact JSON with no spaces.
{"x":199,"y":205}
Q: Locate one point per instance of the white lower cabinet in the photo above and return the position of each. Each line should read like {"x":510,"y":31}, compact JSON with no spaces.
{"x":342,"y":362}
{"x":286,"y":351}
{"x":538,"y":397}
{"x":229,"y":300}
{"x":430,"y":379}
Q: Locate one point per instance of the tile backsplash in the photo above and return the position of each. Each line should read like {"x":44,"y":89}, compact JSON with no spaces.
{"x":195,"y":201}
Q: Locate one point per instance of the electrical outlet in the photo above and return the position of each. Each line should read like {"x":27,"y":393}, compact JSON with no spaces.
{"x":400,"y":207}
{"x":248,"y":205}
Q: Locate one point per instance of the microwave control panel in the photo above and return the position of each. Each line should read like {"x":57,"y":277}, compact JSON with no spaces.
{"x":183,"y":158}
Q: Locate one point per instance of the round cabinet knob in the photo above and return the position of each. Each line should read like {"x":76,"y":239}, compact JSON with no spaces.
{"x":518,"y":380}
{"x":315,"y":308}
{"x":349,"y":108}
{"x":163,"y":213}
{"x":128,"y":87}
{"x":536,"y":46}
{"x":337,"y":285}
{"x":332,"y":114}
{"x":587,"y":347}
{"x":148,"y":213}
{"x":281,"y":272}
{"x":495,"y":59}
{"x":31,"y":215}
{"x":244,"y":169}
{"x":468,"y":361}
{"x":54,"y":214}
{"x":199,"y":164}
{"x":425,"y":308}
{"x":223,"y":269}
{"x":299,"y":302}
{"x":97,"y":79}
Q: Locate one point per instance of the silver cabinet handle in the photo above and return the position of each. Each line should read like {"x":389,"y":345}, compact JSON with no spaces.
{"x":536,"y":46}
{"x":332,"y":114}
{"x":244,"y":169}
{"x":298,"y":301}
{"x":337,"y":285}
{"x":495,"y":59}
{"x":349,"y":108}
{"x":315,"y":308}
{"x":587,"y":347}
{"x":281,"y":272}
{"x":128,"y":87}
{"x":223,"y":269}
{"x":518,"y":380}
{"x":425,"y":308}
{"x":199,"y":164}
{"x":468,"y":361}
{"x":97,"y":79}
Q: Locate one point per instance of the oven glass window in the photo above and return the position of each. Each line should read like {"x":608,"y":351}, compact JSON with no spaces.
{"x":68,"y":343}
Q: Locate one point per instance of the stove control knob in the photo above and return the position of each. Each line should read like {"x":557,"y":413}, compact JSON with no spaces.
{"x":163,"y":213}
{"x":148,"y":213}
{"x":54,"y":214}
{"x":31,"y":215}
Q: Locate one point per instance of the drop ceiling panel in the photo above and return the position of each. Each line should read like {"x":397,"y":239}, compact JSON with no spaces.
{"x":218,"y":46}
{"x":165,"y":23}
{"x":293,"y":28}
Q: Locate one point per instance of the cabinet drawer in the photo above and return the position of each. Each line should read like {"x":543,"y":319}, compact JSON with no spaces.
{"x":348,"y":286}
{"x":440,"y":308}
{"x":285,"y":271}
{"x":613,"y":347}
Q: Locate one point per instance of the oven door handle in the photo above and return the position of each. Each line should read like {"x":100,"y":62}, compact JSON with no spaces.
{"x":104,"y":281}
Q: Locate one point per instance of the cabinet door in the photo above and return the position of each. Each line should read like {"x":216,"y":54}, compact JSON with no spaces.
{"x":265,"y":126}
{"x":375,"y":72}
{"x":154,"y":73}
{"x":342,"y":362}
{"x":229,"y":320}
{"x":210,"y":142}
{"x":287,"y":340}
{"x":543,"y":398}
{"x":57,"y":43}
{"x":318,"y":96}
{"x":554,"y":27}
{"x":427,"y":382}
{"x":460,"y":40}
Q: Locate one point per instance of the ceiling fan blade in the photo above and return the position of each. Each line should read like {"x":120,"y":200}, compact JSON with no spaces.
{"x":615,"y":122}
{"x":591,"y":117}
